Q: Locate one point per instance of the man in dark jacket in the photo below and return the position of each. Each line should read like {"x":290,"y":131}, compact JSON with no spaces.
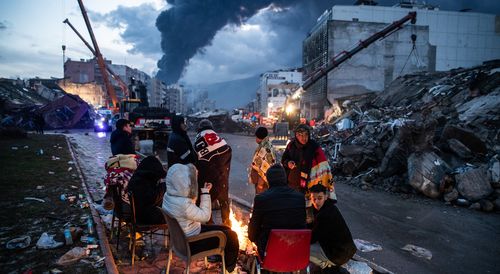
{"x":279,"y":207}
{"x":214,"y":163}
{"x":148,"y":190}
{"x":331,"y":242}
{"x":179,"y":147}
{"x":120,"y":138}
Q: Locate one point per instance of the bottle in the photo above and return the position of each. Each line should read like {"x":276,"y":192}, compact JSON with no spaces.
{"x":68,"y":237}
{"x":90,"y":225}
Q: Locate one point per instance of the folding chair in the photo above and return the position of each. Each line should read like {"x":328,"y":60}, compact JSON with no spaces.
{"x":141,"y":228}
{"x":179,"y":243}
{"x":287,"y":250}
{"x":121,"y":211}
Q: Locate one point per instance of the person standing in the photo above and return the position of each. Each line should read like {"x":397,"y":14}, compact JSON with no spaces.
{"x":214,"y":163}
{"x":180,"y":202}
{"x":262,"y":159}
{"x":120,"y":139}
{"x":331,"y":241}
{"x":306,"y":164}
{"x":179,"y":147}
{"x":278,"y":207}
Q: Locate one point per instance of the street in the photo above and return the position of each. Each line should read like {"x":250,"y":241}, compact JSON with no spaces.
{"x":461,"y":240}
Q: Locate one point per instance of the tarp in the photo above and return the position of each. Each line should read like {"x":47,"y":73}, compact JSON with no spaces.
{"x":69,"y":111}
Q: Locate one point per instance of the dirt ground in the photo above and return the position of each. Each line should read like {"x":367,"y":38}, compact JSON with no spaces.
{"x":36,"y":171}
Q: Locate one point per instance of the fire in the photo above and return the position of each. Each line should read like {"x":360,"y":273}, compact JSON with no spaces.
{"x":241,"y":230}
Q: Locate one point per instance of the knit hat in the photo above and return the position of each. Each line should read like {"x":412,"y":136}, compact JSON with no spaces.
{"x":302,"y":128}
{"x":261,"y":132}
{"x":205,"y":124}
{"x":276,"y":175}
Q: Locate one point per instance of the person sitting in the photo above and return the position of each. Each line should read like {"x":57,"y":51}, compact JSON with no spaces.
{"x":331,"y":241}
{"x":180,"y":202}
{"x":148,"y":190}
{"x":279,"y":207}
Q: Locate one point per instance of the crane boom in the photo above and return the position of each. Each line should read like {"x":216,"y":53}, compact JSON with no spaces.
{"x":345,"y":55}
{"x":115,"y":76}
{"x":100,"y":60}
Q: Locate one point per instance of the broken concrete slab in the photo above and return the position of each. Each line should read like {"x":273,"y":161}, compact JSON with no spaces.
{"x":425,"y":172}
{"x":466,"y":137}
{"x":459,"y":149}
{"x":473,"y":184}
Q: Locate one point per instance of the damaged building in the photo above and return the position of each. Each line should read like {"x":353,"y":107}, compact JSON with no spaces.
{"x":443,"y":40}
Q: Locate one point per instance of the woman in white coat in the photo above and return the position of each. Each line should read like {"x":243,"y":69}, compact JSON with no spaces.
{"x":180,"y":202}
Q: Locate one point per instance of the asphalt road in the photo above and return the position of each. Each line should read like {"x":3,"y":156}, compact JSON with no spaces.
{"x":460,"y":240}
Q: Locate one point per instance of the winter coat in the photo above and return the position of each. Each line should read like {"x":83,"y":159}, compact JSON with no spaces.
{"x":180,"y":199}
{"x":332,"y":233}
{"x":312,"y":167}
{"x":278,"y":207}
{"x":214,"y":161}
{"x":179,"y":148}
{"x":148,"y":190}
{"x":121,"y":143}
{"x":262,"y":159}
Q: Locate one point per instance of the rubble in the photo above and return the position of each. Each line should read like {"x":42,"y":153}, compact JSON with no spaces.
{"x":427,"y":133}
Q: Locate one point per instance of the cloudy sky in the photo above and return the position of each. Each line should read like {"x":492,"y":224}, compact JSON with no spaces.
{"x":201,"y":42}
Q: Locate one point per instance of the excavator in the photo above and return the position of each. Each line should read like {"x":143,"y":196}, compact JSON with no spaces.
{"x":293,"y":117}
{"x":150,"y":123}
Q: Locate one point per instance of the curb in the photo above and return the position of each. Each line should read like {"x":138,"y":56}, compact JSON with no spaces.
{"x":101,"y":232}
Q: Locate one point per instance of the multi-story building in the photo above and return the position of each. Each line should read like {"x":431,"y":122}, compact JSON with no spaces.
{"x":271,"y":79}
{"x":157,"y":91}
{"x":444,"y":40}
{"x":173,"y":98}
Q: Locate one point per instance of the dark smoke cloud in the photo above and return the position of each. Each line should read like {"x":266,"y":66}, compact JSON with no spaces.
{"x":190,"y":25}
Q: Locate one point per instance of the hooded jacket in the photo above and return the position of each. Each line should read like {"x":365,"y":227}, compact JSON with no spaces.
{"x":180,"y":199}
{"x":179,"y":148}
{"x":121,"y":143}
{"x":332,"y":233}
{"x":278,"y":207}
{"x":148,"y":190}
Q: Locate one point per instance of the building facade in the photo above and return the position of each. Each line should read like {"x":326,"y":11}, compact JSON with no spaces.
{"x":444,"y":40}
{"x":270,"y":79}
{"x":173,"y":98}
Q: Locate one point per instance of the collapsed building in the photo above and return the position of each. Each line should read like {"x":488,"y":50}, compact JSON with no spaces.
{"x":438,"y":41}
{"x":437,"y":134}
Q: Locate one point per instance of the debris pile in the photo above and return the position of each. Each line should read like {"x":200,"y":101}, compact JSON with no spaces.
{"x":432,"y":133}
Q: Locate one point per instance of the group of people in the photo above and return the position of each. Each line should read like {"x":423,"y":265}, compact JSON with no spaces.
{"x":294,"y":194}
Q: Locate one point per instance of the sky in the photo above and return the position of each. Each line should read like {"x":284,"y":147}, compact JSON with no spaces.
{"x":198,"y":42}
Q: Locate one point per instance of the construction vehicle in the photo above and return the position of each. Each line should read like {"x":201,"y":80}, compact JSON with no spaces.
{"x":292,"y":117}
{"x":151,"y":123}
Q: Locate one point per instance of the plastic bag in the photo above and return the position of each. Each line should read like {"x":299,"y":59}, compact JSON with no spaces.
{"x":355,"y":267}
{"x":72,"y":256}
{"x":418,"y":251}
{"x":47,"y":241}
{"x":19,"y":243}
{"x":366,"y":246}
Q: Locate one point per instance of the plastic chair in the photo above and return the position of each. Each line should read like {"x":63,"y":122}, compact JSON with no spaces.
{"x":287,"y":250}
{"x":141,"y":228}
{"x":179,"y":243}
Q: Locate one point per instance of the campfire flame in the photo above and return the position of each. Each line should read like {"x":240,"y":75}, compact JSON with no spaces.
{"x":241,"y":230}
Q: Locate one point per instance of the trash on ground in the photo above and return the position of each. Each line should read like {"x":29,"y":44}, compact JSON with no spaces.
{"x":34,"y":199}
{"x":69,"y":169}
{"x":14,"y":148}
{"x":418,"y":251}
{"x":54,"y":158}
{"x":47,"y":241}
{"x":19,"y":243}
{"x":52,"y":172}
{"x":366,"y":246}
{"x":72,"y":256}
{"x":55,"y":271}
{"x":39,"y":187}
{"x":355,"y":267}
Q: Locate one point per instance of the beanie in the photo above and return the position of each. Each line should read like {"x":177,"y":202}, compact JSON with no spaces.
{"x":261,"y":132}
{"x":276,"y":175}
{"x":205,"y":124}
{"x":302,"y":128}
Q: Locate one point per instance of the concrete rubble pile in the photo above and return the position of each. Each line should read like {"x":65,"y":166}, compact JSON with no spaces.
{"x":432,"y":133}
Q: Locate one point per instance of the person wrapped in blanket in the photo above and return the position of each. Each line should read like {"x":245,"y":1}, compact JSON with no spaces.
{"x":306,"y":165}
{"x":119,"y":170}
{"x":262,"y":159}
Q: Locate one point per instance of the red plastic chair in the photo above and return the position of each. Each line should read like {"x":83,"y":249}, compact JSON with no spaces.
{"x":287,"y":250}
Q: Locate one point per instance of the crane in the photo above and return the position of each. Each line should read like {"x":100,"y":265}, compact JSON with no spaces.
{"x":110,"y":90}
{"x":115,"y":76}
{"x":346,"y":55}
